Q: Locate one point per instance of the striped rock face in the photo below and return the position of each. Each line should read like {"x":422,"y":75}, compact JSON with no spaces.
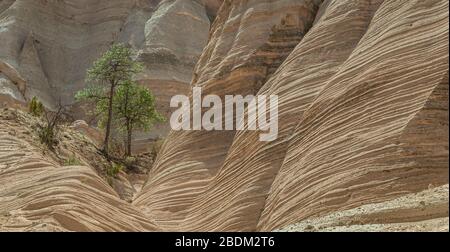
{"x":363,"y":114}
{"x":38,"y":194}
{"x":359,"y":122}
{"x":249,"y":41}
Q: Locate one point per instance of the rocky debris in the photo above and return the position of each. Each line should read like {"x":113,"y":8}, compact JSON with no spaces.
{"x":423,"y":211}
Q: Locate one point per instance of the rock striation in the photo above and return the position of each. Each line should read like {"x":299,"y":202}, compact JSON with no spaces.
{"x":247,"y":43}
{"x":38,"y":194}
{"x":357,"y":95}
{"x":363,"y":118}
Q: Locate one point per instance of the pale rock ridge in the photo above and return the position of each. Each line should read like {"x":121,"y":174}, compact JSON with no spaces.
{"x":174,"y":38}
{"x":340,"y":155}
{"x":58,"y":40}
{"x":251,"y":165}
{"x":12,"y":86}
{"x":386,"y":57}
{"x":363,"y":141}
{"x":32,"y":69}
{"x":244,"y":47}
{"x":38,"y":195}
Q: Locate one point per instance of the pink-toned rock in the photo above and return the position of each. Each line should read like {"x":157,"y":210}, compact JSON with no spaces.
{"x":93,"y":133}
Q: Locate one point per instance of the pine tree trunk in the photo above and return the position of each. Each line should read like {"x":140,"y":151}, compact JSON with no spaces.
{"x":109,"y":121}
{"x":129,"y":132}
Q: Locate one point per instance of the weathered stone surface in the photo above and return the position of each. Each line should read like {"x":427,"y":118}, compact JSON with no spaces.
{"x":251,"y":166}
{"x":175,"y":36}
{"x":348,"y":95}
{"x":350,"y":146}
{"x":363,"y":140}
{"x":247,"y":42}
{"x":36,"y":194}
{"x":52,"y":43}
{"x":12,"y":86}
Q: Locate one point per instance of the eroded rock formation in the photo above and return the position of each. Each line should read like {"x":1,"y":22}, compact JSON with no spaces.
{"x":363,"y":123}
{"x":348,"y":99}
{"x":51,"y":44}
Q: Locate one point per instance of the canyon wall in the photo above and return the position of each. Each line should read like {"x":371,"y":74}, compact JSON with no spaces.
{"x":363,"y":118}
{"x":249,"y":40}
{"x":362,"y":98}
{"x":50,"y":44}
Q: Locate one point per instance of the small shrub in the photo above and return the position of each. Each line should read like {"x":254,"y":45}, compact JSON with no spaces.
{"x":72,"y":161}
{"x":49,"y":130}
{"x":130,"y":161}
{"x":110,"y":181}
{"x":157,"y":146}
{"x":36,"y":107}
{"x":116,"y":148}
{"x":114,"y":169}
{"x":47,"y":135}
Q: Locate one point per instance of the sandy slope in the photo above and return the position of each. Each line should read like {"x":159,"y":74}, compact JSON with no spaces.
{"x":38,"y":194}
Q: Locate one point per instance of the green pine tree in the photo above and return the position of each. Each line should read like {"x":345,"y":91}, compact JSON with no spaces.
{"x":110,"y":71}
{"x":134,"y":109}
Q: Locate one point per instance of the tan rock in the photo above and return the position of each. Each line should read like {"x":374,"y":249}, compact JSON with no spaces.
{"x":93,"y":133}
{"x":357,"y":96}
{"x":363,"y":102}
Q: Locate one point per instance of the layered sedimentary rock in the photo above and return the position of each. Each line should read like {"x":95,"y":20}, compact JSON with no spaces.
{"x":251,"y":165}
{"x":363,"y":119}
{"x":51,"y":44}
{"x":379,"y":147}
{"x":37,"y":194}
{"x":363,"y":126}
{"x":248,"y":41}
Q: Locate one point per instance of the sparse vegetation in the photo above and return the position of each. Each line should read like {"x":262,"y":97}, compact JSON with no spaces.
{"x":112,"y":70}
{"x":156,"y":148}
{"x":48,"y":131}
{"x":72,"y":161}
{"x":130,"y":161}
{"x":35,"y":107}
{"x":114,"y":169}
{"x":119,"y":101}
